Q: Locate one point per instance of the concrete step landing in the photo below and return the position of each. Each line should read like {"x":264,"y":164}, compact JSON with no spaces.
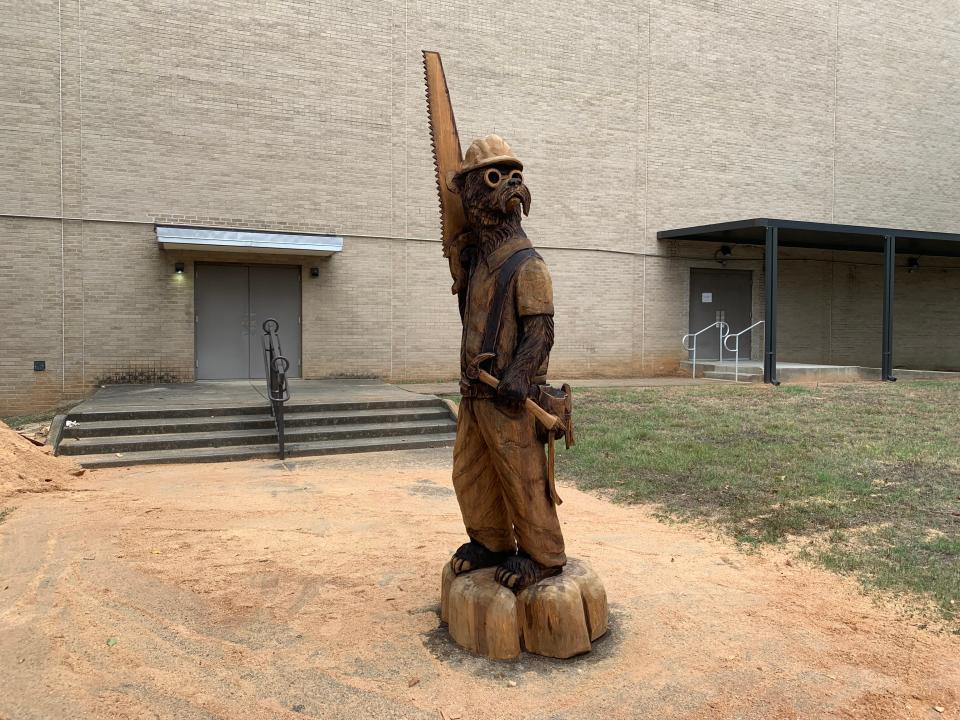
{"x":751,"y":371}
{"x":743,"y":376}
{"x":788,"y":372}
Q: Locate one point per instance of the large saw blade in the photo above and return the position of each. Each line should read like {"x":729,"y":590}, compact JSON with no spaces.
{"x":447,"y":160}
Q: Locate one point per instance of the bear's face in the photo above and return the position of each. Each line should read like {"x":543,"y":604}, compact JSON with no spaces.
{"x":494,"y":196}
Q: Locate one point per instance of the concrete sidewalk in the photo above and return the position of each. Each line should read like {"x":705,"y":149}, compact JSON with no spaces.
{"x":452,"y":387}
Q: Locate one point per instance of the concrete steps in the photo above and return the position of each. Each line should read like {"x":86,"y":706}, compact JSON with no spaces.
{"x":169,"y":435}
{"x":714,"y":370}
{"x":149,"y":426}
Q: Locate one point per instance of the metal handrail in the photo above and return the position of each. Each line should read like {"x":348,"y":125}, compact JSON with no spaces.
{"x":736,"y":348}
{"x":275,"y":367}
{"x":724,"y":331}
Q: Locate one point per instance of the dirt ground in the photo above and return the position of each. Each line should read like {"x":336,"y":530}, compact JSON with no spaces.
{"x":284,"y":590}
{"x":27,"y":468}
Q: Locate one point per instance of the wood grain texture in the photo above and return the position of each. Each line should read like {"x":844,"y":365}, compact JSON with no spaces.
{"x":558,"y":617}
{"x":482,"y":616}
{"x":446,"y":579}
{"x":593,"y":594}
{"x":553,"y":619}
{"x":447,"y":158}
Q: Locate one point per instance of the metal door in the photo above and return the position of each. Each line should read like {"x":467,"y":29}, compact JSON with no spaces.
{"x":275,"y":293}
{"x":222,"y":318}
{"x":725,"y":295}
{"x":231,"y":302}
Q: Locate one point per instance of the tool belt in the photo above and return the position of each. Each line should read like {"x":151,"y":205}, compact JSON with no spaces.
{"x":558,"y":402}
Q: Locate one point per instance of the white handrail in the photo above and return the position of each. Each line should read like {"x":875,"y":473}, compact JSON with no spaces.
{"x":724,"y":331}
{"x":736,"y":348}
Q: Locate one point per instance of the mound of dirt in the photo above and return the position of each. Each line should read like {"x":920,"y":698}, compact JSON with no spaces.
{"x":27,"y":468}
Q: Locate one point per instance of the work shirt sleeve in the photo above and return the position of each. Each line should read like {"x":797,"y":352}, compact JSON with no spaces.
{"x":534,"y":289}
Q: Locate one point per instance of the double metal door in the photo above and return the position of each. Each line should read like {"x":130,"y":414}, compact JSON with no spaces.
{"x":231,"y":303}
{"x":720,"y":295}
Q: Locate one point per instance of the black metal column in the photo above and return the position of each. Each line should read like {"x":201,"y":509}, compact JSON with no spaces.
{"x":889,"y":265}
{"x":770,"y":327}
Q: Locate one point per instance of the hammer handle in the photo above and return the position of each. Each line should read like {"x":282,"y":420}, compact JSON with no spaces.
{"x":549,"y":421}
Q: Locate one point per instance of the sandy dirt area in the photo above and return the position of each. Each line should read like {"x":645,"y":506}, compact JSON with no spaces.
{"x":27,"y":468}
{"x":310,"y":589}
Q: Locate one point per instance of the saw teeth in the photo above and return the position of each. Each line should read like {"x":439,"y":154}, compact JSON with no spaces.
{"x":445,"y":222}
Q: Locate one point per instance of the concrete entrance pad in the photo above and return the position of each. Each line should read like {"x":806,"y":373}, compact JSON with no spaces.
{"x":239,"y":393}
{"x":752,"y":371}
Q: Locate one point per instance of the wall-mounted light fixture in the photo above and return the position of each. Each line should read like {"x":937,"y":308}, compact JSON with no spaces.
{"x":178,"y":268}
{"x":721,"y":255}
{"x":314,"y":272}
{"x":913,"y":264}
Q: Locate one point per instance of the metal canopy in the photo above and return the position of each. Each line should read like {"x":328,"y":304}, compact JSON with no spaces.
{"x":821,"y":236}
{"x":179,"y":237}
{"x":772,"y":233}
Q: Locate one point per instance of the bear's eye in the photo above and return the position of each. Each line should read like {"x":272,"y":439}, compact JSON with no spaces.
{"x":492,"y":177}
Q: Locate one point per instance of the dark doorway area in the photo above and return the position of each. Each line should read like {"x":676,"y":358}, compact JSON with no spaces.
{"x":724,"y":295}
{"x":231,"y":303}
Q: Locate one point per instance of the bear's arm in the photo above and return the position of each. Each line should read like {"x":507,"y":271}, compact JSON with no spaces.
{"x":534,"y":304}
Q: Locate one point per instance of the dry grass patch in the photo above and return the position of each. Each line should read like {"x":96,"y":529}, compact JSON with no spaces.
{"x":878,"y":462}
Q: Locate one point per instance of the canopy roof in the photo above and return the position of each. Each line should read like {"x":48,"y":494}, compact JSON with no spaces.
{"x":178,"y":237}
{"x":821,"y":236}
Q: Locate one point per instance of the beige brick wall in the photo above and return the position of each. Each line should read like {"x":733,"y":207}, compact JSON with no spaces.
{"x":31,"y":322}
{"x":631,"y":118}
{"x":898,"y":139}
{"x":29,"y":108}
{"x":127,"y":315}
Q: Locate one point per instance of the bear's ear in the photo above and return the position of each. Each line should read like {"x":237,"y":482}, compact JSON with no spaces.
{"x":454,"y":182}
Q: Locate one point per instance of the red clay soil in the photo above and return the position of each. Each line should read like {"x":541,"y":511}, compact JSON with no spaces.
{"x":28,"y":468}
{"x":270,"y":590}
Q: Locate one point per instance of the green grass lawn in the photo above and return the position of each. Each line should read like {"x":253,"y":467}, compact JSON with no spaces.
{"x":865,"y":477}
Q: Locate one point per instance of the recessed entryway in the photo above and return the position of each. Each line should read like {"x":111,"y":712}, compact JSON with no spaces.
{"x":231,"y":303}
{"x":725,"y":295}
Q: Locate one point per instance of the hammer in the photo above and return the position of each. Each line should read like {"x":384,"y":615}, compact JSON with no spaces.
{"x":475,"y":372}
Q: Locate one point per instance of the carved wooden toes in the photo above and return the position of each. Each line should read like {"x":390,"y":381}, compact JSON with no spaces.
{"x":556,"y":617}
{"x":482,"y":615}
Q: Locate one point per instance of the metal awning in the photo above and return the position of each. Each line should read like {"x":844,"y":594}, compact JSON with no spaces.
{"x":772,"y":233}
{"x":821,"y":236}
{"x":179,"y":237}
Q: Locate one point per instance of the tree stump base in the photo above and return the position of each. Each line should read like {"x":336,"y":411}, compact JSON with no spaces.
{"x":558,"y":617}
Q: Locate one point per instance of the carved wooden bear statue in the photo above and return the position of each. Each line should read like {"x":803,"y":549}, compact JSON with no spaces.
{"x":500,"y":467}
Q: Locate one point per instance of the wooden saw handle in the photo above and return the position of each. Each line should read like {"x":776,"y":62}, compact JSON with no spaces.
{"x":549,"y":421}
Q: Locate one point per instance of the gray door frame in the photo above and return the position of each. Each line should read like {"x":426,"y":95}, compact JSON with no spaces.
{"x":709,"y":340}
{"x":296,"y":364}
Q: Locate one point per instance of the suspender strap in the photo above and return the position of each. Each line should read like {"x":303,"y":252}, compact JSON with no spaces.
{"x":494,"y":317}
